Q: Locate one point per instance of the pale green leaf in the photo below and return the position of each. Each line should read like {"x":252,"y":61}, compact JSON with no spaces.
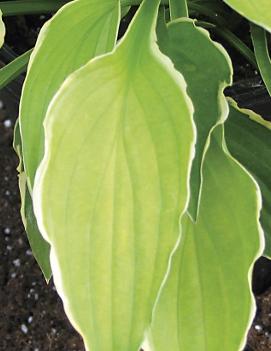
{"x":113,"y":184}
{"x":40,"y":248}
{"x":248,"y":138}
{"x":207,"y":70}
{"x":2,"y":30}
{"x":206,"y":303}
{"x":261,"y":50}
{"x":257,"y":11}
{"x":80,"y":31}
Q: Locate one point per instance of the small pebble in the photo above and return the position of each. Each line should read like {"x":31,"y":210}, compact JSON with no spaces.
{"x":258,"y":327}
{"x":9,"y":248}
{"x":7,"y":231}
{"x":24,"y":329}
{"x":36,"y":297}
{"x":7,"y":123}
{"x":13,"y":275}
{"x":7,"y":193}
{"x":17,"y":262}
{"x":28,"y":253}
{"x":30,"y":319}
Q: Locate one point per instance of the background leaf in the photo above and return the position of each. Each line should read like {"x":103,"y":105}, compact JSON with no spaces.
{"x":12,"y":70}
{"x":206,"y":303}
{"x":79,"y":31}
{"x":113,"y":184}
{"x":248,"y":138}
{"x":257,"y":11}
{"x":261,"y":50}
{"x":206,"y":74}
{"x":40,"y":248}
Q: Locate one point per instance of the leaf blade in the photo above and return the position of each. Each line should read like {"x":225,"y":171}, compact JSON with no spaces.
{"x":248,"y":139}
{"x":2,"y":30}
{"x":40,"y":248}
{"x":62,"y":47}
{"x":208,"y":289}
{"x":182,"y":41}
{"x":125,"y":198}
{"x":256,"y":11}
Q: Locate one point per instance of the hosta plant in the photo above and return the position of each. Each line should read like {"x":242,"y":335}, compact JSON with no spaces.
{"x":145,"y":190}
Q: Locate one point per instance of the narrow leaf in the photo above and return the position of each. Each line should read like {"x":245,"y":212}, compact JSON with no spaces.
{"x":2,"y":30}
{"x":257,"y":11}
{"x":113,"y":184}
{"x":12,"y":70}
{"x":80,"y":31}
{"x":40,"y":248}
{"x":207,"y":74}
{"x":206,"y":303}
{"x":261,"y":50}
{"x":248,"y":138}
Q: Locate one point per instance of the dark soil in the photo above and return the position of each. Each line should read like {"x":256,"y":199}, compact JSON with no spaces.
{"x":31,"y":314}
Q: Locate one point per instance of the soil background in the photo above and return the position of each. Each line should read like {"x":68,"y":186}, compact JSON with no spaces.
{"x":31,"y":313}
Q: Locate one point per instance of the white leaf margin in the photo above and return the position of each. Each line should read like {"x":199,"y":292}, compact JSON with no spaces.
{"x":37,"y":189}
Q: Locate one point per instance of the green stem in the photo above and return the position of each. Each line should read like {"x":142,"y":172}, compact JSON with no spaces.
{"x":14,"y":69}
{"x":178,"y":8}
{"x":27,"y":7}
{"x":143,"y":22}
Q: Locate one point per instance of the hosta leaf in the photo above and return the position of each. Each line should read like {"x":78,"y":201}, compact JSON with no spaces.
{"x":257,"y":11}
{"x":206,"y":74}
{"x":113,"y":184}
{"x":206,"y":303}
{"x":2,"y":30}
{"x":261,"y":50}
{"x":80,"y":30}
{"x":39,"y":246}
{"x":248,"y":138}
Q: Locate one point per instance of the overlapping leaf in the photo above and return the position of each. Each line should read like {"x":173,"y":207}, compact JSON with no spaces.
{"x":2,"y":30}
{"x":113,"y":183}
{"x":206,"y":303}
{"x":80,"y":31}
{"x":207,"y":70}
{"x":257,"y":11}
{"x":39,"y":246}
{"x":248,"y":138}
